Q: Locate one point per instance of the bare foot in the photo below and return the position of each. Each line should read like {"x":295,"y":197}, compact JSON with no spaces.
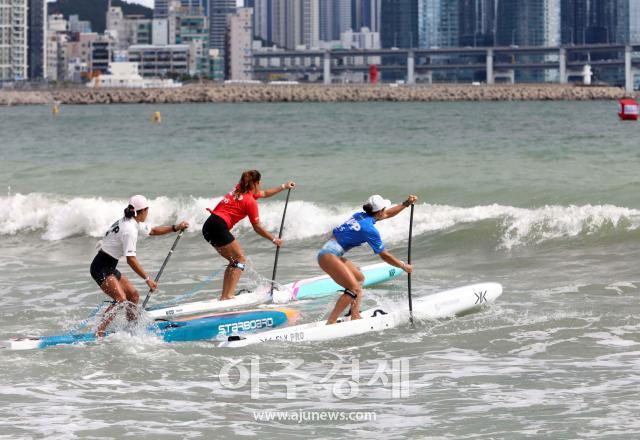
{"x":223,"y":298}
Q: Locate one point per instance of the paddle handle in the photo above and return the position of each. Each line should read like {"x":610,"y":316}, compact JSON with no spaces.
{"x":166,"y":260}
{"x":409,"y":262}
{"x":275,"y":263}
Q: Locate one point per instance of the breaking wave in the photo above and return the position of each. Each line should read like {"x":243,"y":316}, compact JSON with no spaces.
{"x":56,"y":218}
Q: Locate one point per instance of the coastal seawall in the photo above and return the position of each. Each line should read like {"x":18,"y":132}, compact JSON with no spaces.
{"x":311,"y":93}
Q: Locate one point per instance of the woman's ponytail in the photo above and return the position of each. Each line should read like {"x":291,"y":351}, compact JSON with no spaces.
{"x":129,"y":212}
{"x":368,"y":209}
{"x":247,"y":180}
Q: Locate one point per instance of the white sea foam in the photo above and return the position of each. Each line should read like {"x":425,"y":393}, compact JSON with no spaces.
{"x":59,"y":217}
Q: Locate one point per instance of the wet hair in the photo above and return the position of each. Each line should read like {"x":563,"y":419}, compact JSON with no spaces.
{"x":129,"y":211}
{"x":368,"y":209}
{"x":247,"y":180}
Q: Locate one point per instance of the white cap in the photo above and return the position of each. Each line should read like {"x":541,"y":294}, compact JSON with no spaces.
{"x":378,"y":203}
{"x":139,"y":202}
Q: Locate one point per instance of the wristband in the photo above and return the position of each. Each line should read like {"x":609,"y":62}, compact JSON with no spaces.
{"x":274,"y":240}
{"x":147,"y":279}
{"x":283,"y":186}
{"x":406,"y":203}
{"x":174,"y":228}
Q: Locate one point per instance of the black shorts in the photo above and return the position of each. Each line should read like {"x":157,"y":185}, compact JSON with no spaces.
{"x":102,"y":266}
{"x":216,"y":232}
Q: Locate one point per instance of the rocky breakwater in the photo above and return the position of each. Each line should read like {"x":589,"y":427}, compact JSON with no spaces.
{"x":310,"y":93}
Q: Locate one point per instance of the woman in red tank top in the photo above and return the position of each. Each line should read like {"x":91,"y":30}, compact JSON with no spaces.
{"x":236,"y":205}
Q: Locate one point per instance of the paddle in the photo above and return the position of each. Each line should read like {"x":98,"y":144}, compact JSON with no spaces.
{"x":409,"y":262}
{"x":166,"y":260}
{"x":275,"y":263}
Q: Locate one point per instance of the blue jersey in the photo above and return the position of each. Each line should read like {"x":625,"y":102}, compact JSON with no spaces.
{"x":357,"y":230}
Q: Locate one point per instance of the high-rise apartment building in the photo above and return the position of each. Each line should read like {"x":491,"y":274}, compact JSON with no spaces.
{"x":13,"y":40}
{"x":528,"y":23}
{"x":399,"y":23}
{"x":262,"y":19}
{"x":295,"y":23}
{"x":239,"y":41}
{"x":595,"y":21}
{"x":219,"y":11}
{"x":477,"y":21}
{"x":334,"y":19}
{"x":365,"y":13}
{"x":37,"y":39}
{"x":438,"y":23}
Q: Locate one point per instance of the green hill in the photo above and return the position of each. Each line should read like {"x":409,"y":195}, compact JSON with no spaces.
{"x":95,"y":10}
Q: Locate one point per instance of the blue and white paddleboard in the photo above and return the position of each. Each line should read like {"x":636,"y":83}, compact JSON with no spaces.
{"x":196,"y":328}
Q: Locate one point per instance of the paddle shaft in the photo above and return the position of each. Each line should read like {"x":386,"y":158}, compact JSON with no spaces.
{"x":275,"y":263}
{"x":166,"y":260}
{"x":409,"y":262}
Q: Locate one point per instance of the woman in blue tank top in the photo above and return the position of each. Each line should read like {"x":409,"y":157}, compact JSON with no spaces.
{"x":359,"y":229}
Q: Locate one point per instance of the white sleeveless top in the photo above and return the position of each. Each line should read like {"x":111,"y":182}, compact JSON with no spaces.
{"x":121,"y":238}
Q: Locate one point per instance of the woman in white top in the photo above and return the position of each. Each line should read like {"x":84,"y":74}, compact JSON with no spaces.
{"x":120,"y":241}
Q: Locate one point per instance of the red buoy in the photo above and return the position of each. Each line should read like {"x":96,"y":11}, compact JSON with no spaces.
{"x":628,"y":109}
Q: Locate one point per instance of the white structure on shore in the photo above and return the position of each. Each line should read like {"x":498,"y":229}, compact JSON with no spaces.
{"x":127,"y":75}
{"x":13,"y":40}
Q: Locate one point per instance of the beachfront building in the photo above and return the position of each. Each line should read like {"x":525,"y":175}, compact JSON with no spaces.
{"x":56,"y":45}
{"x":239,"y":45}
{"x":126,"y":75}
{"x":438,"y":23}
{"x":334,"y":18}
{"x":295,"y":25}
{"x":593,"y":22}
{"x":262,"y":19}
{"x":477,"y":22}
{"x":37,"y":39}
{"x":56,"y":56}
{"x":139,"y":29}
{"x":88,"y":55}
{"x":529,"y":23}
{"x":127,"y":30}
{"x":192,"y":28}
{"x":13,"y":40}
{"x":366,"y":14}
{"x":399,"y":23}
{"x":102,"y":49}
{"x":219,"y":11}
{"x":117,"y":27}
{"x":172,"y":60}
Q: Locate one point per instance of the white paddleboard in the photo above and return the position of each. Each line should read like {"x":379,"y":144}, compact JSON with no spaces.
{"x":439,"y":305}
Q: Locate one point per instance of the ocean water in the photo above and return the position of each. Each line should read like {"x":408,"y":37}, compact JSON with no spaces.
{"x":541,"y":197}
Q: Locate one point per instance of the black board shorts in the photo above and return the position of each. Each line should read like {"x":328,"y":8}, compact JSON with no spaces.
{"x":216,"y":232}
{"x":102,"y":266}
